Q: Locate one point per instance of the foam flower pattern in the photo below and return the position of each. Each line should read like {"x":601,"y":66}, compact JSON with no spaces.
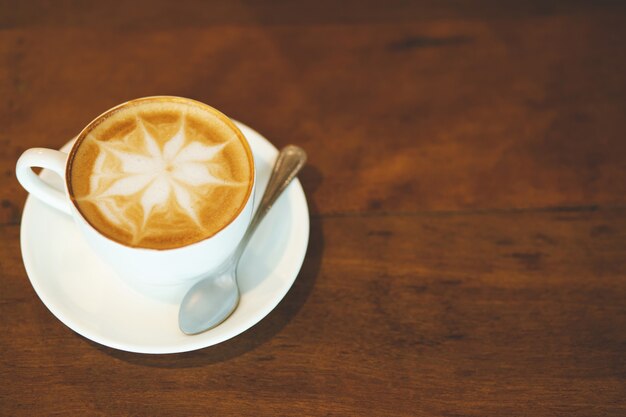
{"x":161,"y":174}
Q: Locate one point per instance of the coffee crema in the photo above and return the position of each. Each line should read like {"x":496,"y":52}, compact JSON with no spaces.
{"x":160,"y":172}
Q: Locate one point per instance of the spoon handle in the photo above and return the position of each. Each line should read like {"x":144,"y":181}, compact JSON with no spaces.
{"x":289,"y":162}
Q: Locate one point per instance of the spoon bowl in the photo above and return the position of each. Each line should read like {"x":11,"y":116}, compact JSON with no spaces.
{"x":211,"y":302}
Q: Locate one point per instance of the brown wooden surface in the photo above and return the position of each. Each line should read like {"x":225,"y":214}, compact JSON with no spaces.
{"x":467,"y":189}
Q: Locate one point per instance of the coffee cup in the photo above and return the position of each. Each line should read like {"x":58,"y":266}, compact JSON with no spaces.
{"x":160,"y":187}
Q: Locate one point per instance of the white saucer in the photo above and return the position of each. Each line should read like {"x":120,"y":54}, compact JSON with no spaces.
{"x":84,"y":293}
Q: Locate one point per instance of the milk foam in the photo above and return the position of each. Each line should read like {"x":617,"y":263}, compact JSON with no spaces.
{"x":152,"y":186}
{"x":170,"y":175}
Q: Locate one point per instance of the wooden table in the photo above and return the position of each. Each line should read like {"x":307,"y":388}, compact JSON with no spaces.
{"x":467,"y":189}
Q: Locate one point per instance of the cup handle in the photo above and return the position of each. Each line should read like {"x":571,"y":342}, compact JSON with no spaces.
{"x":43,"y":158}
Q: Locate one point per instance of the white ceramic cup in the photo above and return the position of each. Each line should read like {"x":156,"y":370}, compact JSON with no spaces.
{"x":152,"y":271}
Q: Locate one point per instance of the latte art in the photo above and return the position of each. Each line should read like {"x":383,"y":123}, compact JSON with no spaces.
{"x":161,"y":175}
{"x":174,"y":176}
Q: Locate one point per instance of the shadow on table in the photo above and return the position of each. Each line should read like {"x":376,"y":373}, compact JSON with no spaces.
{"x":267,"y":328}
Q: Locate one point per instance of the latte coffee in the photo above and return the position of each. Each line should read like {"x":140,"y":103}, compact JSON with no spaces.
{"x":160,"y":173}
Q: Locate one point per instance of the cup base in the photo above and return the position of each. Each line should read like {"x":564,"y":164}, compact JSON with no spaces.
{"x":165,"y":293}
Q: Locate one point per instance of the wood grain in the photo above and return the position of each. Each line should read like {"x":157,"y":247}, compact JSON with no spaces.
{"x":467,"y":190}
{"x":482,"y":314}
{"x":435,"y":115}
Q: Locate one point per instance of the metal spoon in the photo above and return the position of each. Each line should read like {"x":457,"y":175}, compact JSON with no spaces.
{"x":213,"y":299}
